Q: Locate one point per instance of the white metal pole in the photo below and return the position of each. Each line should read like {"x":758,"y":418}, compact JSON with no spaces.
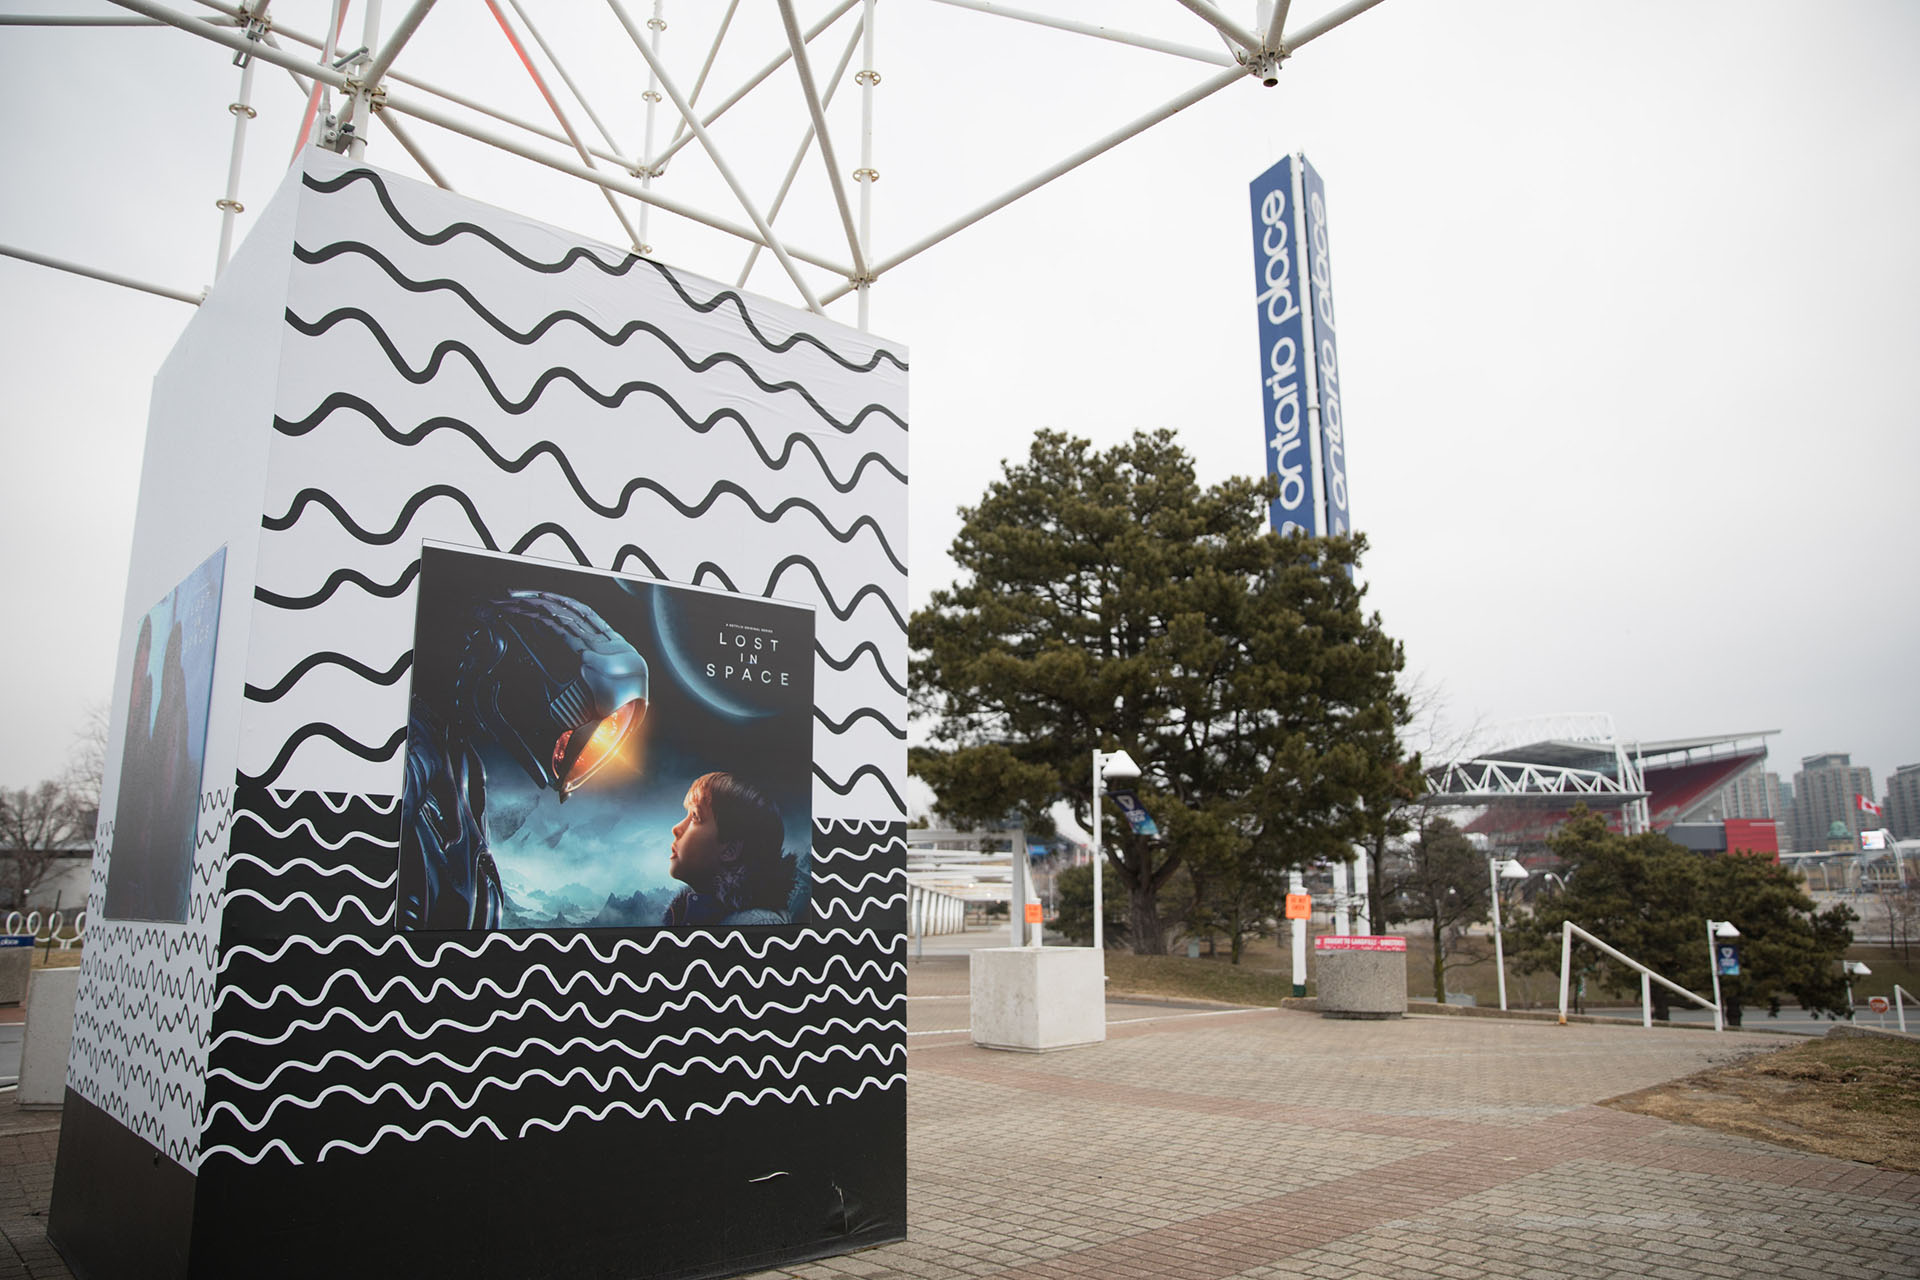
{"x":1033,"y":888}
{"x":1216,"y":57}
{"x":1499,"y":949}
{"x":409,"y":23}
{"x":719,"y":163}
{"x":229,"y":204}
{"x":867,"y":78}
{"x":1197,"y":94}
{"x":1900,"y":1006}
{"x":1713,"y":968}
{"x":1099,"y":854}
{"x":656,"y":25}
{"x":1362,"y":890}
{"x":362,"y":104}
{"x":93,"y":273}
{"x":1646,"y":1002}
{"x":799,"y":155}
{"x":1340,"y":902}
{"x":1297,"y":883}
{"x":1566,"y":965}
{"x":810,"y":91}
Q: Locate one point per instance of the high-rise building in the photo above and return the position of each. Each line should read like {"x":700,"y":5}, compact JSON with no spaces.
{"x":1823,"y":794}
{"x":1754,"y":794}
{"x":1902,"y":806}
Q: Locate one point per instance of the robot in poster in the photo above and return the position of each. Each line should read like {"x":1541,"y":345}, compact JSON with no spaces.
{"x":546,"y":680}
{"x":558,"y":777}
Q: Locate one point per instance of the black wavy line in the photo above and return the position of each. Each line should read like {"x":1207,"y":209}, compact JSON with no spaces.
{"x":853,"y":604}
{"x":339,"y":739}
{"x":581,"y":253}
{"x":853,"y":780}
{"x":346,"y":400}
{"x":281,"y":523}
{"x":864,"y":713}
{"x":614,"y":338}
{"x":308,"y":663}
{"x":336,"y":579}
{"x":428,"y":371}
{"x":868,"y":646}
{"x":614,"y":511}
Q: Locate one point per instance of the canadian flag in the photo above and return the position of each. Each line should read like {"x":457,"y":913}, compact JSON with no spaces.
{"x":1867,"y":806}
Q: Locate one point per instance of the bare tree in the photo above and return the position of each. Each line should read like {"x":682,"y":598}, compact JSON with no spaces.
{"x":38,"y":826}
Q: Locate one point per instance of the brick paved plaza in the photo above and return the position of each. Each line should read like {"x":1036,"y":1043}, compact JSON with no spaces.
{"x":1196,"y":1145}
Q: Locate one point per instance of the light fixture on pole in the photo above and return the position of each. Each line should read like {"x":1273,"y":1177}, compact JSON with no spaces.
{"x":1852,"y":968}
{"x":1116,"y":766}
{"x":1716,"y":930}
{"x":1499,"y":869}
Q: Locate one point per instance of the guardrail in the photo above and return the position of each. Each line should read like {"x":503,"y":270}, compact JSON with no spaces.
{"x":1900,"y":996}
{"x":1647,"y":977}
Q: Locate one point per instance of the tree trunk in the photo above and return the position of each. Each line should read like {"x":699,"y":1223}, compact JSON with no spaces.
{"x":1439,"y":965}
{"x":1149,"y":935}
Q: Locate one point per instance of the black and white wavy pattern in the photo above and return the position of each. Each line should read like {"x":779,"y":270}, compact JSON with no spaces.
{"x":143,"y":1007}
{"x":452,"y":373}
{"x":333,"y":1034}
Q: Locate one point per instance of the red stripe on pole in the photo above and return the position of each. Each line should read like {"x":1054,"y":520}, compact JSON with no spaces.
{"x":313,"y":99}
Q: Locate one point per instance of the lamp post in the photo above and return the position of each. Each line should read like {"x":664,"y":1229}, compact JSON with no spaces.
{"x":1499,"y":869}
{"x":1119,"y":766}
{"x":1717,"y":929}
{"x":1852,"y":968}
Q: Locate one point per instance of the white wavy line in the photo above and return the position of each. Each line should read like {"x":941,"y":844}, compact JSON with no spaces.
{"x":255,"y":1158}
{"x":882,"y":876}
{"x":877,"y":846}
{"x":578,"y":1006}
{"x":287,"y":797}
{"x":390,"y":882}
{"x":515,"y":941}
{"x":865,"y":904}
{"x":594,"y":1046}
{"x":601,"y":1085}
{"x":319,"y":839}
{"x":384,"y":918}
{"x":735,"y":1095}
{"x":639,"y":987}
{"x":602,"y":1114}
{"x":853,"y":826}
{"x":484,"y":1122}
{"x":898,"y":1077}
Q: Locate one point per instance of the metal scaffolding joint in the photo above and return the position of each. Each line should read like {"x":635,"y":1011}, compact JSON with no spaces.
{"x":242,"y":109}
{"x":231,"y":206}
{"x":868,"y":77}
{"x":866,"y":175}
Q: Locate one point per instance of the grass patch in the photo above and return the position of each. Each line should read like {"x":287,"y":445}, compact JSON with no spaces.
{"x":1178,"y":978}
{"x":1854,"y":1097}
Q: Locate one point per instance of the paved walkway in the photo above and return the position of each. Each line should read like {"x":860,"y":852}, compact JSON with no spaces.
{"x":1200,"y":1145}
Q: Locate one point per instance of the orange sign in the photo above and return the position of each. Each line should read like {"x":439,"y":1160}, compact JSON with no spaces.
{"x":1033,"y":913}
{"x":1299,"y":906}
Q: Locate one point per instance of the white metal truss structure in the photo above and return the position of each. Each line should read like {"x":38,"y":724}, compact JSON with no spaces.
{"x":1532,"y":762}
{"x":1477,"y":782}
{"x":811,"y":77}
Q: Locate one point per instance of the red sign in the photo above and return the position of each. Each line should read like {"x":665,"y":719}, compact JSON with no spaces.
{"x":1878,"y":1004}
{"x":1357,"y":942}
{"x":1299,"y":906}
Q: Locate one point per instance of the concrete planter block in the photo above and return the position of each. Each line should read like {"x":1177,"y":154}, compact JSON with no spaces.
{"x":1036,"y":999}
{"x":1361,"y":984}
{"x":48,"y":1040}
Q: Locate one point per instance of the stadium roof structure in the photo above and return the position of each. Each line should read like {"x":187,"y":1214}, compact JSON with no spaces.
{"x":1527,"y":775}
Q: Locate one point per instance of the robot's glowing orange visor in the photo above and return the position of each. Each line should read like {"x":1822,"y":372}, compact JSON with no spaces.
{"x":607,"y":737}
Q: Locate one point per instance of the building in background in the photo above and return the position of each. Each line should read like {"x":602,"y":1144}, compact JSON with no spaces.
{"x":1824,"y":793}
{"x":1902,"y":805}
{"x":1754,"y":794}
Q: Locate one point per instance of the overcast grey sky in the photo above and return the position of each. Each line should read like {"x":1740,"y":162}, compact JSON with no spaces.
{"x":1629,"y":296}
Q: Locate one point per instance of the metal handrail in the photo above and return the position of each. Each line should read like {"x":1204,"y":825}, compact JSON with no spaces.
{"x":1647,"y":976}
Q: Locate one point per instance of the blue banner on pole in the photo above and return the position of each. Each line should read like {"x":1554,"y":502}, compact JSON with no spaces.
{"x":1284,"y":350}
{"x":1317,"y":266}
{"x":1136,"y":813}
{"x":1727,"y":959}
